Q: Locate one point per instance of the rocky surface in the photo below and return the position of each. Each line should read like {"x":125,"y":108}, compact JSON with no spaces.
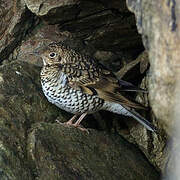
{"x":33,"y":145}
{"x":107,"y":31}
{"x":58,"y":9}
{"x":16,"y":21}
{"x":158,"y":23}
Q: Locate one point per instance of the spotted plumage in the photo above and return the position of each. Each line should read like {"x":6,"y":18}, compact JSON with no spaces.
{"x":77,"y":84}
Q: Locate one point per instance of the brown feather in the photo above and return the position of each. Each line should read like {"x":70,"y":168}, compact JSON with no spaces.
{"x":94,"y":79}
{"x":105,"y":87}
{"x":118,"y":98}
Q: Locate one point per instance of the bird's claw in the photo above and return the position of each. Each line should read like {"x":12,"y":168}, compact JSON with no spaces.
{"x":68,"y":124}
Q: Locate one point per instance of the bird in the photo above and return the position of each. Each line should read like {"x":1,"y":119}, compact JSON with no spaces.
{"x":80,"y":85}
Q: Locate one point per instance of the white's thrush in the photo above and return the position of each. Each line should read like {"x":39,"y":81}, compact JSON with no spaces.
{"x":78,"y":84}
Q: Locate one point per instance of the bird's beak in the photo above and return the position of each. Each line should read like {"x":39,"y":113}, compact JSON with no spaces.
{"x":35,"y":53}
{"x":39,"y":52}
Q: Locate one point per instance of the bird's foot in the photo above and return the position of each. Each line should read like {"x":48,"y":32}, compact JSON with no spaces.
{"x":67,"y":124}
{"x":70,"y":122}
{"x":80,"y":127}
{"x":76,"y":124}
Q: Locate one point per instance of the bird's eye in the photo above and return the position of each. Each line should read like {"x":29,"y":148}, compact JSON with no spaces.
{"x":52,"y":55}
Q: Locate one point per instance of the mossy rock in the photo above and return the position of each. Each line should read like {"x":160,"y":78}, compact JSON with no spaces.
{"x":34,"y":146}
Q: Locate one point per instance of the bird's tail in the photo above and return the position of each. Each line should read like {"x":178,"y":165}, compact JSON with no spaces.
{"x":143,"y":121}
{"x":119,"y":109}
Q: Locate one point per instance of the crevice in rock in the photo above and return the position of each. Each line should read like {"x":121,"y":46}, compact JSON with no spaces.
{"x":105,"y":30}
{"x":172,"y":5}
{"x":61,"y":23}
{"x":19,"y":34}
{"x":41,"y":6}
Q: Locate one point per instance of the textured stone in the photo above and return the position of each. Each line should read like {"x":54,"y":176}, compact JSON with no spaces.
{"x":44,"y":34}
{"x":158,"y":22}
{"x":75,"y":155}
{"x":54,"y":10}
{"x":104,"y":26}
{"x":153,"y":145}
{"x":93,"y":22}
{"x":172,"y":168}
{"x":15,"y":22}
{"x":32,"y":147}
{"x":21,"y":105}
{"x":103,"y":29}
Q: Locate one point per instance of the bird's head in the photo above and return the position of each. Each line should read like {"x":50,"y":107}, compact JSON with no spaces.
{"x":52,"y":54}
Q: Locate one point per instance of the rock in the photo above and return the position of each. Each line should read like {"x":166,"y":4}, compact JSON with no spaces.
{"x":67,"y":153}
{"x":96,"y":22}
{"x":54,"y":11}
{"x":158,"y":22}
{"x":34,"y":146}
{"x":102,"y":29}
{"x":92,"y":22}
{"x":104,"y":25}
{"x":171,"y":170}
{"x":16,"y":21}
{"x":160,"y":33}
{"x":44,"y":34}
{"x":153,"y":145}
{"x":21,"y":104}
{"x":109,"y":59}
{"x":126,"y":68}
{"x":41,"y":35}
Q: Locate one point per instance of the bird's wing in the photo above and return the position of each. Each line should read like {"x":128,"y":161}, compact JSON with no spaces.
{"x":127,"y":86}
{"x":93,"y":79}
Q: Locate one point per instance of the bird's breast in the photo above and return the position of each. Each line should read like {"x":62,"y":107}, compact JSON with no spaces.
{"x":69,"y":99}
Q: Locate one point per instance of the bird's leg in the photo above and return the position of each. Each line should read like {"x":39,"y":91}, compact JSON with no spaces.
{"x":77,"y":123}
{"x":70,"y":122}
